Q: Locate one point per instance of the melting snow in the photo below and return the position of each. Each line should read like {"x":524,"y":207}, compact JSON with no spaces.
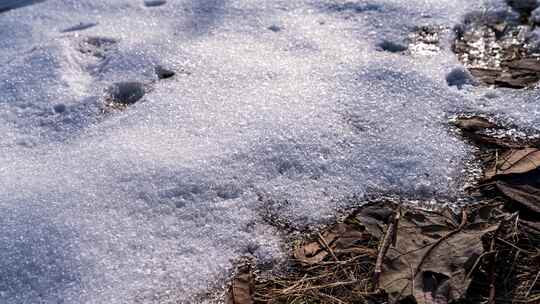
{"x":285,"y":109}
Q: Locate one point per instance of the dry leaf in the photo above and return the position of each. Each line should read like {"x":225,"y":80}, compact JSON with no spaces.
{"x":474,"y":123}
{"x":515,"y":161}
{"x":314,"y":252}
{"x":524,"y":191}
{"x":342,"y":237}
{"x":432,"y":258}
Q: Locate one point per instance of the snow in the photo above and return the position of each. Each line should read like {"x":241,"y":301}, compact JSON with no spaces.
{"x":278,"y":109}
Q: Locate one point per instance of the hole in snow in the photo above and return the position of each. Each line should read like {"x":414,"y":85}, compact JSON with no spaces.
{"x":392,"y":47}
{"x":459,"y":77}
{"x":274,"y":28}
{"x":163,"y":73}
{"x":59,"y":108}
{"x":153,"y":3}
{"x":124,"y":93}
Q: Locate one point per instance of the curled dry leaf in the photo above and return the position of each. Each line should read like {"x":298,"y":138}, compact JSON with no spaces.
{"x":475,"y":127}
{"x":515,"y":175}
{"x":515,"y":161}
{"x":524,"y":192}
{"x":474,"y":123}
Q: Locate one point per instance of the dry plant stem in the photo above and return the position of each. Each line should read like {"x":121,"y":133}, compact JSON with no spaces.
{"x":295,"y":285}
{"x":327,"y":247}
{"x":532,"y":285}
{"x":492,"y":274}
{"x":332,"y":298}
{"x":389,"y":238}
{"x":330,"y":285}
{"x":496,"y":160}
{"x":476,"y":263}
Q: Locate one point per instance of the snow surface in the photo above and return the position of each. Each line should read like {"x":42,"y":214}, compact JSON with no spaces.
{"x":279,"y":108}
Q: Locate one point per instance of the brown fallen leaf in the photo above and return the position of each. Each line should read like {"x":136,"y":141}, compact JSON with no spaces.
{"x":513,"y":72}
{"x":341,"y":238}
{"x":474,"y":129}
{"x":527,"y":64}
{"x":487,"y":76}
{"x":374,"y":217}
{"x":524,"y":191}
{"x":515,"y":175}
{"x":517,"y":78}
{"x":349,"y":237}
{"x":515,"y":161}
{"x":242,"y":288}
{"x":432,"y":257}
{"x":314,"y":252}
{"x":474,"y":123}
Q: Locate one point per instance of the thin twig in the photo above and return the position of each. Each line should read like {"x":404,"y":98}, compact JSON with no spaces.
{"x":532,"y":286}
{"x":325,"y":244}
{"x":330,"y":285}
{"x":511,"y":245}
{"x":495,"y":169}
{"x":389,"y":238}
{"x":295,"y":285}
{"x":493,"y":274}
{"x":331,"y":298}
{"x":476,"y":264}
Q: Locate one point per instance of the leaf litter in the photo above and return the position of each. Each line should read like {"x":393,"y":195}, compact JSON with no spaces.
{"x":388,"y":252}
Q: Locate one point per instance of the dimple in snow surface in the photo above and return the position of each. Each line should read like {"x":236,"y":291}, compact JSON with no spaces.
{"x":150,"y":203}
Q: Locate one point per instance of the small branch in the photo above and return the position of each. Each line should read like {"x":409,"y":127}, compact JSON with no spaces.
{"x":327,"y":247}
{"x":390,"y":237}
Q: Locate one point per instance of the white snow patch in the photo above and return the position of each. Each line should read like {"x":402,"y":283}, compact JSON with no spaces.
{"x":150,"y":204}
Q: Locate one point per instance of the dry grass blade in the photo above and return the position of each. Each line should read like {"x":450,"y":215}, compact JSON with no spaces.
{"x":533,"y":284}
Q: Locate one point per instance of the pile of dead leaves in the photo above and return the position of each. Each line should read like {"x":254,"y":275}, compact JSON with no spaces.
{"x":512,"y":177}
{"x":387,"y":253}
{"x":511,"y":167}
